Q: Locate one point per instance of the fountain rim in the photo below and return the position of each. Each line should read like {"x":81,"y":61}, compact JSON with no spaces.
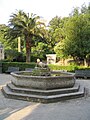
{"x":67,"y":74}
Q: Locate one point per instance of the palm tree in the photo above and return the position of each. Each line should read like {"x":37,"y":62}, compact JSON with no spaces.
{"x":26,"y":25}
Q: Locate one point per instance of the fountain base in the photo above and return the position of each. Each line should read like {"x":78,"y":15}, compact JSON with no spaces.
{"x":44,"y":89}
{"x":43,"y":96}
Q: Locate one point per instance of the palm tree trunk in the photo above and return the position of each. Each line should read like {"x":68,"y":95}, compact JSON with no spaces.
{"x":28,"y":49}
{"x":28,"y":56}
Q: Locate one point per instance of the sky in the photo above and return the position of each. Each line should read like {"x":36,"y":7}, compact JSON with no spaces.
{"x":47,"y":9}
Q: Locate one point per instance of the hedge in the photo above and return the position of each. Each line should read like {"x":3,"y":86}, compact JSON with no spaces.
{"x":70,"y":68}
{"x":21,"y":65}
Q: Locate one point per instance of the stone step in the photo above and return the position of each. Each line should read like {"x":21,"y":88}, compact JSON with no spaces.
{"x":16,"y":89}
{"x":39,"y":98}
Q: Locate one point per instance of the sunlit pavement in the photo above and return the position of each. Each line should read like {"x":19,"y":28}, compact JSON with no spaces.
{"x":76,"y":109}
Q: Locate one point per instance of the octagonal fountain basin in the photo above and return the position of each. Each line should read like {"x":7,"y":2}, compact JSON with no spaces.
{"x":24,"y":79}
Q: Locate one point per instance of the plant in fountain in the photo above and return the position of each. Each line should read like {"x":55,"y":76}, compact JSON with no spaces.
{"x":41,"y":69}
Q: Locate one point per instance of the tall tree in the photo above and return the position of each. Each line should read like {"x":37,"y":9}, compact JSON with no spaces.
{"x":77,"y":41}
{"x":77,"y":35}
{"x":27,"y":25}
{"x":56,"y":30}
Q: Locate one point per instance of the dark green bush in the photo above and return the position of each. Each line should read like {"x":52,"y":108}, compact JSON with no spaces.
{"x":21,"y":65}
{"x":19,"y":57}
{"x":10,"y":54}
{"x":14,"y":56}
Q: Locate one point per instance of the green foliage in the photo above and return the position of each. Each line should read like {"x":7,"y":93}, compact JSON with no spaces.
{"x":21,"y":65}
{"x":77,"y":36}
{"x":41,"y":72}
{"x":2,"y":28}
{"x":56,"y":30}
{"x":59,"y":49}
{"x":77,"y":42}
{"x":85,"y":9}
{"x":75,"y":12}
{"x":10,"y":54}
{"x":19,"y":57}
{"x":40,"y":50}
{"x":88,"y":56}
{"x":22,"y":24}
{"x":5,"y":43}
{"x":70,"y":68}
{"x":8,"y":44}
{"x":14,"y":55}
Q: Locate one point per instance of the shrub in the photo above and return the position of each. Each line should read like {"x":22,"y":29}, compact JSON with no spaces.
{"x":10,"y":54}
{"x":69,"y":68}
{"x":21,"y":65}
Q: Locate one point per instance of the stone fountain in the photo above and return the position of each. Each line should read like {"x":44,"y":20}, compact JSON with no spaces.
{"x":43,"y":85}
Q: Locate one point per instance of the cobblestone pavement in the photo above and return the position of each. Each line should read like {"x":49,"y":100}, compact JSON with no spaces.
{"x":76,"y":109}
